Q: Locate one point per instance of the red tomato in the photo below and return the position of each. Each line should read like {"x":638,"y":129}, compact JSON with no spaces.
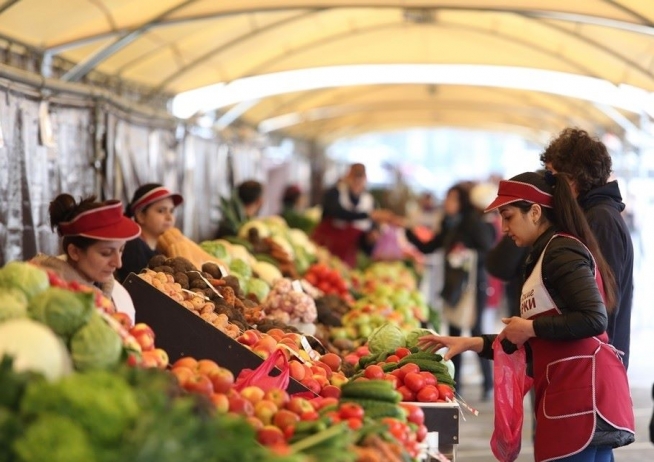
{"x":398,"y":429}
{"x":402,"y":352}
{"x":430,"y":379}
{"x":350,"y":410}
{"x":407,"y":395}
{"x":445,"y":392}
{"x":393,"y":359}
{"x":414,"y":413}
{"x":409,"y":367}
{"x":421,"y":433}
{"x":391,"y":378}
{"x":414,"y":381}
{"x":354,"y":423}
{"x":428,"y":394}
{"x":374,"y":372}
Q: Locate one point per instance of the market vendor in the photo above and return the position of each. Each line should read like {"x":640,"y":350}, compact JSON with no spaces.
{"x":349,"y":216}
{"x":93,"y":238}
{"x":153,"y":208}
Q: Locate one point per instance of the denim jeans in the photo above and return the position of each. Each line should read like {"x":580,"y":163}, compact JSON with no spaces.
{"x":591,"y":454}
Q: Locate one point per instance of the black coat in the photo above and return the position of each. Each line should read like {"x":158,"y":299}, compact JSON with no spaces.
{"x":602,"y":207}
{"x":505,"y":261}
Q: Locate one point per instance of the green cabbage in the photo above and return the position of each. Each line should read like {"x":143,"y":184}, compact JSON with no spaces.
{"x":387,"y":337}
{"x":259,"y":288}
{"x":241,"y":267}
{"x":95,"y":345}
{"x":215,"y":248}
{"x":54,"y":438}
{"x":413,"y":336}
{"x":62,"y":310}
{"x":24,"y":276}
{"x":13,"y":304}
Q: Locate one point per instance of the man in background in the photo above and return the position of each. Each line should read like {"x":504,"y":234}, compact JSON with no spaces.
{"x":588,"y":164}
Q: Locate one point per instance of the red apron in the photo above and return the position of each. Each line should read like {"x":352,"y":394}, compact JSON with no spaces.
{"x":575,"y":381}
{"x":340,"y":240}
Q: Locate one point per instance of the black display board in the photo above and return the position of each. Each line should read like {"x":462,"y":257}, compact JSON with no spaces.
{"x":181,"y":333}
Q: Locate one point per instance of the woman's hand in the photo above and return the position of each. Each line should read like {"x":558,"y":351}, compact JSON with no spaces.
{"x":517,"y":330}
{"x":455,"y":345}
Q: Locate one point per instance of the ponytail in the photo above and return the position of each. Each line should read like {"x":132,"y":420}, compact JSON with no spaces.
{"x":569,"y":218}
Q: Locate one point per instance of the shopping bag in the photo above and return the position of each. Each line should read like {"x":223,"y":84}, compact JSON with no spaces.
{"x":388,"y":245}
{"x":261,"y":375}
{"x":511,"y":385}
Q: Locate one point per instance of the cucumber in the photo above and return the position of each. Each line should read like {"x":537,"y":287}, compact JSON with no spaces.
{"x":376,"y":409}
{"x":379,"y":390}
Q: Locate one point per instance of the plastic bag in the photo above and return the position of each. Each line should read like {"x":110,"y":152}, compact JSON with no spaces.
{"x":388,"y":245}
{"x":261,"y":375}
{"x":511,"y":385}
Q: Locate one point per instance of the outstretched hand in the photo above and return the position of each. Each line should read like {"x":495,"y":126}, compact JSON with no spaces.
{"x":455,"y":345}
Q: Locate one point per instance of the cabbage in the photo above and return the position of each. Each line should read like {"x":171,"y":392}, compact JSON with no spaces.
{"x":13,"y":304}
{"x":258,"y":287}
{"x":216,"y":249}
{"x":450,"y":366}
{"x":413,"y":336}
{"x":239,"y":266}
{"x":62,"y":310}
{"x":387,"y":337}
{"x":35,"y":348}
{"x":24,"y":276}
{"x":95,"y":345}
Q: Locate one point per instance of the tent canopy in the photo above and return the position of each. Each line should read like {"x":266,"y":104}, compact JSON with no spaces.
{"x":173,"y":46}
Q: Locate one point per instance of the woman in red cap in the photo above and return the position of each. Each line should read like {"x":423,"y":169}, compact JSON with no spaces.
{"x":153,"y":208}
{"x":93,"y":238}
{"x":583,"y":405}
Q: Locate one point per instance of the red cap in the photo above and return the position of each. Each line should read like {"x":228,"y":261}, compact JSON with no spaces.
{"x":105,"y":223}
{"x":153,"y":196}
{"x":529,"y":187}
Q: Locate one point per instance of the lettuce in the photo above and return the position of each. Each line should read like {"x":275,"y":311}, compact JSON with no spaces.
{"x":95,"y":345}
{"x":387,"y":337}
{"x":25,"y":277}
{"x":62,"y":310}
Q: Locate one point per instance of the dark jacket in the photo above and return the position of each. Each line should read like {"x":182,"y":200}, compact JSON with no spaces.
{"x":603,"y":207}
{"x":505,"y":261}
{"x":568,"y":275}
{"x":471,"y":231}
{"x":136,"y":256}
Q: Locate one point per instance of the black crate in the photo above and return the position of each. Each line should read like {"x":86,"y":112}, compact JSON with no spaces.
{"x":444,"y":419}
{"x":181,"y":333}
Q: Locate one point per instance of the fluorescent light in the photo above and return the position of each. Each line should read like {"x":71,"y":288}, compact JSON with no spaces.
{"x":599,"y":91}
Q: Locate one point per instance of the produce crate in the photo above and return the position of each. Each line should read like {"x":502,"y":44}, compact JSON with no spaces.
{"x":444,"y":419}
{"x":182,"y":333}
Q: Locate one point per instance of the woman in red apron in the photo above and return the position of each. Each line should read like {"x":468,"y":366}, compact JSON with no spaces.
{"x":347,"y":217}
{"x":583,"y":404}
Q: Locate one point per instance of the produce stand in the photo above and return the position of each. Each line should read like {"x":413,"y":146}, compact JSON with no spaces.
{"x":444,"y":419}
{"x":181,"y":333}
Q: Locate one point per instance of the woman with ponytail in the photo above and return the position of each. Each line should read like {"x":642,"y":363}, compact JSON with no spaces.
{"x":583,"y":405}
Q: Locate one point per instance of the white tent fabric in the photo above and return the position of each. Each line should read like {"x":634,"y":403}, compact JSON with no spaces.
{"x":172,"y":46}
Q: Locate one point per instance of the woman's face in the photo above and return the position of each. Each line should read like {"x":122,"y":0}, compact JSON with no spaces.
{"x":452,"y":204}
{"x":522,"y":227}
{"x":99,"y":261}
{"x":157,"y":218}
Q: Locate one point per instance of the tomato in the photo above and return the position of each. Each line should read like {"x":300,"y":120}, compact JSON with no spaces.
{"x":421,"y":433}
{"x":354,"y":423}
{"x":373,"y":372}
{"x":350,"y":410}
{"x":311,"y":278}
{"x":430,"y":379}
{"x":407,"y":395}
{"x":391,"y":378}
{"x":428,"y":394}
{"x":414,"y":413}
{"x":409,"y":367}
{"x":414,"y":381}
{"x":393,"y":359}
{"x":398,"y":429}
{"x":445,"y":392}
{"x":402,"y":352}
